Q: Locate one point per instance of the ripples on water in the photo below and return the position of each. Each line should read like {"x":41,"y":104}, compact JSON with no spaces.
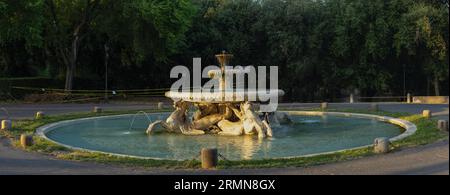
{"x":306,"y":136}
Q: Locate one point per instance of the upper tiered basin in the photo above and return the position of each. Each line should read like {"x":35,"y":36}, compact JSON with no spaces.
{"x":233,"y":96}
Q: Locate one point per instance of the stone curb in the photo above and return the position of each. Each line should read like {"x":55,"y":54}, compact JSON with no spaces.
{"x":409,"y":127}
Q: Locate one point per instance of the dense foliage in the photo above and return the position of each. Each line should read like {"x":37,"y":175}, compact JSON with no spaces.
{"x":325,"y":49}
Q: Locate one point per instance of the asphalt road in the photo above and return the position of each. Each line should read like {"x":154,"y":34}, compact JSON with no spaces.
{"x":424,"y":160}
{"x":20,"y":111}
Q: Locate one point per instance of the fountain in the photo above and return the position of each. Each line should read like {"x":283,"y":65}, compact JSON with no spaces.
{"x":224,"y":112}
{"x":134,"y":118}
{"x":227,"y":120}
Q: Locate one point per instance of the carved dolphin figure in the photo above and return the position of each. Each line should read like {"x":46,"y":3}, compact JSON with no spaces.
{"x":177,"y":122}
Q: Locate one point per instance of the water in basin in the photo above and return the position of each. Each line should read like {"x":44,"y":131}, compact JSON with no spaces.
{"x":307,"y":135}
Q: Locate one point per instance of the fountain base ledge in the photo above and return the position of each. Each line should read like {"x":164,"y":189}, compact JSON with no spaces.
{"x":409,"y":128}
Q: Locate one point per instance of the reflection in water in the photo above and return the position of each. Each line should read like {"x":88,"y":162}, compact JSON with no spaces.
{"x":373,"y":121}
{"x":96,"y":123}
{"x":247,"y":145}
{"x":173,"y":147}
{"x":324,"y":119}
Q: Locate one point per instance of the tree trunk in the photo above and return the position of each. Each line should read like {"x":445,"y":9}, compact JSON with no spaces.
{"x":69,"y":79}
{"x":436,"y":86}
{"x":70,"y":72}
{"x":70,"y":57}
{"x":106,"y":70}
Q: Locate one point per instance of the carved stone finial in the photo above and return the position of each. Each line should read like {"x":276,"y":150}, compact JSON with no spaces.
{"x":224,"y":58}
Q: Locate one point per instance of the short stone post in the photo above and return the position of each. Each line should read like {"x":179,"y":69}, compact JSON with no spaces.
{"x":98,"y":109}
{"x":160,"y":105}
{"x":427,"y":113}
{"x":324,"y":106}
{"x":6,"y":125}
{"x":443,"y":125}
{"x":26,"y":140}
{"x":352,"y":98}
{"x":209,"y":158}
{"x":40,"y":115}
{"x":374,"y":107}
{"x":381,"y":145}
{"x":408,"y":98}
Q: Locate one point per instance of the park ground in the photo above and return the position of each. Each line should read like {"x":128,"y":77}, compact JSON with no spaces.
{"x":432,"y":159}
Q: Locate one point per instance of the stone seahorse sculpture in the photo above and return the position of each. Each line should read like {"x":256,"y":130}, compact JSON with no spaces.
{"x":177,"y":122}
{"x":225,"y":119}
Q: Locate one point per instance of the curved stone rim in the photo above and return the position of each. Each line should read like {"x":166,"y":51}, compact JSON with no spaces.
{"x":409,"y":128}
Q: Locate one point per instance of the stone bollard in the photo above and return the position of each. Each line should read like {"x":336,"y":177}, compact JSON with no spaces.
{"x":381,"y":145}
{"x":6,"y":125}
{"x":324,"y":106}
{"x":426,"y":114}
{"x":408,"y":98}
{"x":26,"y":140}
{"x":374,"y":107}
{"x":160,"y":105}
{"x":97,"y":109}
{"x":209,"y":158}
{"x":40,"y":115}
{"x":443,"y":125}
{"x":352,"y":98}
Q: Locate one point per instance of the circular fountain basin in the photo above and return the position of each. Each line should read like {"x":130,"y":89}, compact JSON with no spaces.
{"x":312,"y":133}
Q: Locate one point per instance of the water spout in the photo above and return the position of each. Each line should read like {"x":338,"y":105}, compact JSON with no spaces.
{"x":134,"y":119}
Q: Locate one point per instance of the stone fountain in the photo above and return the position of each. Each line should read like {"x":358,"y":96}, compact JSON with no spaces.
{"x":223,"y":112}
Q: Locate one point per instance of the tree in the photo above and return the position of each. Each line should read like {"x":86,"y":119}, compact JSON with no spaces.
{"x":424,"y":37}
{"x":144,"y":36}
{"x":147,"y":28}
{"x":21,"y":20}
{"x":21,"y":25}
{"x":137,"y":29}
{"x":69,"y":24}
{"x":327,"y":48}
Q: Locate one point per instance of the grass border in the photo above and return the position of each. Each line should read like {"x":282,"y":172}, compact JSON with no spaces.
{"x":427,"y":132}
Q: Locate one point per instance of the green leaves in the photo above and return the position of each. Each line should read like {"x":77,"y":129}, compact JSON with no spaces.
{"x":423,"y":24}
{"x":21,"y":20}
{"x":148,"y":28}
{"x":328,"y":47}
{"x":423,"y":36}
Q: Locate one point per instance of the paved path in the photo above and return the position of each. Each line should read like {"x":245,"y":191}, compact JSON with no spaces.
{"x":20,"y":111}
{"x":430,"y":159}
{"x":424,"y":160}
{"x":17,"y":162}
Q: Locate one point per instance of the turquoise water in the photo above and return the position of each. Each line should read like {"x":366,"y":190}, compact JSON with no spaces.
{"x":307,"y":135}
